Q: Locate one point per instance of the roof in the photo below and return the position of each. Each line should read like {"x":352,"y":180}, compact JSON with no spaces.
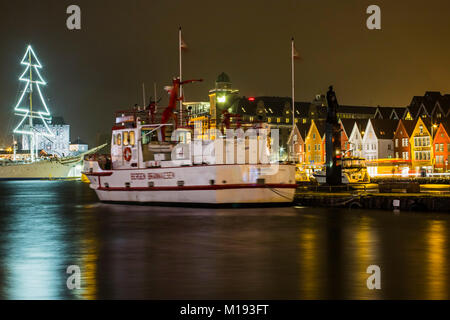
{"x":348,"y":125}
{"x":58,"y":121}
{"x":321,"y":127}
{"x":399,"y":111}
{"x":274,"y":106}
{"x":444,"y":102}
{"x":385,"y":112}
{"x":303,"y":128}
{"x":223,"y":77}
{"x":446,"y":125}
{"x":357,"y":109}
{"x":409,"y":126}
{"x":384,"y":129}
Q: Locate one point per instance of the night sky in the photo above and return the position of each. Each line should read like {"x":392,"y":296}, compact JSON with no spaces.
{"x":100,"y":69}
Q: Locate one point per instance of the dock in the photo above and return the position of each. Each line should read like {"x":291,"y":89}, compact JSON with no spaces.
{"x":372,"y":199}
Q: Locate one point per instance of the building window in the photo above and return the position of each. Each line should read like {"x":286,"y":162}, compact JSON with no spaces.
{"x":421,"y":129}
{"x":437,"y":147}
{"x":278,"y":120}
{"x":442,"y":147}
{"x":314,"y":136}
{"x":396,"y":143}
{"x":269,"y":120}
{"x":404,"y":142}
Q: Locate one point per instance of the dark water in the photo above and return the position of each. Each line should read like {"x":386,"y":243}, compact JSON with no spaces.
{"x":188,"y":253}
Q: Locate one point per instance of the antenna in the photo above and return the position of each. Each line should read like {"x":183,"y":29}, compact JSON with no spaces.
{"x":143,"y":95}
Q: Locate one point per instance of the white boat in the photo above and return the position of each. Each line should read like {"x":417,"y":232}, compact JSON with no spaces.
{"x":145,"y":168}
{"x":45,"y":169}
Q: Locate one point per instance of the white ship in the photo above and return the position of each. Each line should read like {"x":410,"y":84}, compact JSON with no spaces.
{"x":145,"y":168}
{"x":32,"y":109}
{"x":45,"y":169}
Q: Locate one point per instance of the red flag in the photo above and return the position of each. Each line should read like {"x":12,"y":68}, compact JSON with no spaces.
{"x":183,"y":44}
{"x":296,"y":55}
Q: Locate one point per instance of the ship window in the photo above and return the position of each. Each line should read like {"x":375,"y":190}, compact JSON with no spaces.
{"x":125,"y":138}
{"x":132,"y":140}
{"x":119,"y":139}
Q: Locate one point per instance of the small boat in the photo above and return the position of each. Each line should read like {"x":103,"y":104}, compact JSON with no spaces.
{"x":354,"y":170}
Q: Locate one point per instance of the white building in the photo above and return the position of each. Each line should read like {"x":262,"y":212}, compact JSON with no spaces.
{"x":78,"y":147}
{"x":355,"y":139}
{"x":377,"y":142}
{"x":58,"y":144}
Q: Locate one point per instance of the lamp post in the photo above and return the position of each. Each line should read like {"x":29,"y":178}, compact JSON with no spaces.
{"x":433,"y":126}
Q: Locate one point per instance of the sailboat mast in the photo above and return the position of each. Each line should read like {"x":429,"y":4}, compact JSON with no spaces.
{"x":154,"y":89}
{"x":32,"y":138}
{"x":181,"y":77}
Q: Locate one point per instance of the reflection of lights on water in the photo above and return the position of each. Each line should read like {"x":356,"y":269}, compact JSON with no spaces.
{"x":437,"y":249}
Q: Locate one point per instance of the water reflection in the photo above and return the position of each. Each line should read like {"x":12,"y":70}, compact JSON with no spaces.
{"x":190,"y":253}
{"x":437,"y":265}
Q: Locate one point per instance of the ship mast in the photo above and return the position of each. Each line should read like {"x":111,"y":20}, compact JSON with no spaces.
{"x":32,"y":137}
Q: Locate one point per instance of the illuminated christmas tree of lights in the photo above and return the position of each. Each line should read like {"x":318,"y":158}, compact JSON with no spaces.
{"x":31,"y":104}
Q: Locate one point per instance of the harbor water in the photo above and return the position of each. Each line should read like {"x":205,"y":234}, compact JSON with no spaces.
{"x":146,"y":252}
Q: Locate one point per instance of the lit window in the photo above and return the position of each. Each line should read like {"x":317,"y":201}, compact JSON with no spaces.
{"x":125,"y":138}
{"x":132,"y":139}
{"x":119,"y":139}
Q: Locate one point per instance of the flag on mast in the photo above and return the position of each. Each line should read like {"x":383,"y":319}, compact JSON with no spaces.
{"x":295,"y":54}
{"x":183,"y":44}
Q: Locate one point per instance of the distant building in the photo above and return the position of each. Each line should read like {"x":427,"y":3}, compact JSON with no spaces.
{"x":441,"y":144}
{"x":377,"y":140}
{"x":421,"y":146}
{"x":355,"y":139}
{"x":315,"y":144}
{"x":402,"y":135}
{"x":58,"y":144}
{"x":78,"y":147}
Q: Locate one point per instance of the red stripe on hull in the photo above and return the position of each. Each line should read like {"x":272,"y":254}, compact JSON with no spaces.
{"x":98,"y":174}
{"x":211,"y":187}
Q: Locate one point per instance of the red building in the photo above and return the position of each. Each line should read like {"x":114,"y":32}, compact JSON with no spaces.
{"x":441,"y":145}
{"x":402,"y":147}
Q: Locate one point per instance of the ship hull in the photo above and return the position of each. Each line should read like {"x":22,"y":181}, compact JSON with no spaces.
{"x":208,"y":184}
{"x":41,"y":170}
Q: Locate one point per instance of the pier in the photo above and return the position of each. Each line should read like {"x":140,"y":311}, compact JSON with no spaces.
{"x":430,"y":198}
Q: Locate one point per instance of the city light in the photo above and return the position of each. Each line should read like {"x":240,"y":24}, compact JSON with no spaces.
{"x":221,"y":99}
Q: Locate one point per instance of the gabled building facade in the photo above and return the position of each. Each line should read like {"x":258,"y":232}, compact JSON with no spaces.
{"x":355,"y":139}
{"x":315,"y":143}
{"x":421,"y":147}
{"x":402,"y":147}
{"x":441,"y":143}
{"x":377,"y":140}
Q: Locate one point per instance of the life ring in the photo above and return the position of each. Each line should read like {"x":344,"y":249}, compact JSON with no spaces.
{"x":127,"y":154}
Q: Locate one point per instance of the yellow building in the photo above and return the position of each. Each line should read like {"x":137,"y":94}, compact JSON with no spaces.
{"x":421,"y":147}
{"x":315,"y":144}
